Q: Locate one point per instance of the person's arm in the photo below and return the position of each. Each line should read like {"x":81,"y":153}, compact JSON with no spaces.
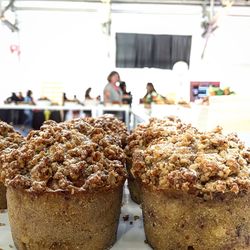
{"x":32,"y":101}
{"x":8,"y":100}
{"x":106,"y":96}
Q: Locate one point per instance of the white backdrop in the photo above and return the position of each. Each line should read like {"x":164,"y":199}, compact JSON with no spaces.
{"x":69,"y":47}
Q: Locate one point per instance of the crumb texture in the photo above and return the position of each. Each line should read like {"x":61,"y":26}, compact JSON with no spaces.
{"x":71,"y":156}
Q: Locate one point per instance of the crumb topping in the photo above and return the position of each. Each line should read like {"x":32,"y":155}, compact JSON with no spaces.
{"x":70,"y":156}
{"x":155,"y":129}
{"x":194,"y":162}
{"x":9,"y":139}
{"x":114,"y":127}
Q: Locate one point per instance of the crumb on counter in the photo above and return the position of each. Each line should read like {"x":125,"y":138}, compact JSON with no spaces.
{"x":136,"y":217}
{"x":125,"y":217}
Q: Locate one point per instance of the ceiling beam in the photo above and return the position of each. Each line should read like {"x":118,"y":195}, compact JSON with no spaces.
{"x":89,"y":5}
{"x":177,"y":2}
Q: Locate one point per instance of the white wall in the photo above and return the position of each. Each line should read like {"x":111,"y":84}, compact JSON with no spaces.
{"x":66,"y":47}
{"x":156,"y":19}
{"x":227,"y":56}
{"x":69,"y":47}
{"x":62,"y":47}
{"x":9,"y":63}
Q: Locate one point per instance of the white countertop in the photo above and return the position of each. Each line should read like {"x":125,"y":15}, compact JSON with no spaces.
{"x":96,"y":110}
{"x":129,"y":236}
{"x":232,"y":118}
{"x":66,"y":107}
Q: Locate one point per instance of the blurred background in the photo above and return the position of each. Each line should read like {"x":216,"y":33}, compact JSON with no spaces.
{"x":66,"y":46}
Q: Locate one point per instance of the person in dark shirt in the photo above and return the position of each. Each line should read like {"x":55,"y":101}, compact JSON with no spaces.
{"x":20,"y":97}
{"x":87,"y":94}
{"x":13,"y":114}
{"x":12,"y":99}
{"x":126,"y":96}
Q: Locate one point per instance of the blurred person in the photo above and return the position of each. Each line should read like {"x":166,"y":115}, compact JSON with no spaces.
{"x":76,"y":113}
{"x":88,"y":97}
{"x":64,"y":99}
{"x":13,"y":113}
{"x":20,"y":111}
{"x":20,"y":96}
{"x":88,"y":100}
{"x":151,"y":95}
{"x":12,"y":99}
{"x":112,"y":93}
{"x":28,"y":99}
{"x":87,"y":94}
{"x":76,"y":100}
{"x":126,"y":96}
{"x":28,"y":120}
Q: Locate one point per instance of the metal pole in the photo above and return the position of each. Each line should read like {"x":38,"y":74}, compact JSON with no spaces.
{"x":211,"y":9}
{"x":0,"y":8}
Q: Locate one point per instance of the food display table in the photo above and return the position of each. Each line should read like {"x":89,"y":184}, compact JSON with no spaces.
{"x":96,"y":110}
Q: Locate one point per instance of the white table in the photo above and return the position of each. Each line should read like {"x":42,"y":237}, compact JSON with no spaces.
{"x":142,"y":114}
{"x":203,"y":117}
{"x":96,"y":110}
{"x":46,"y":107}
{"x":115,"y":108}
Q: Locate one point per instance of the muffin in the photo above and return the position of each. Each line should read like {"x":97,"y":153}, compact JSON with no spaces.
{"x":64,"y":188}
{"x":141,"y":137}
{"x":195,"y":190}
{"x":9,"y":139}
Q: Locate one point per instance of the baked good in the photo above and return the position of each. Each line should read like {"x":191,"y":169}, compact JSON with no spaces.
{"x":9,"y":139}
{"x":64,"y":188}
{"x":195,"y":191}
{"x":142,"y":136}
{"x":3,"y":201}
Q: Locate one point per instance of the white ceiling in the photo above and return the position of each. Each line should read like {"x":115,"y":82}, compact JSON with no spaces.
{"x":182,"y":2}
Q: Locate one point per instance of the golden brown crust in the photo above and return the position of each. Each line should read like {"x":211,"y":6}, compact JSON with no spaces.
{"x":68,"y":157}
{"x":177,"y":220}
{"x":195,"y":162}
{"x":3,"y":201}
{"x":59,"y":220}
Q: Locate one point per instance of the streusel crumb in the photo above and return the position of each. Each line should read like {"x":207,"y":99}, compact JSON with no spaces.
{"x":9,"y":140}
{"x":71,"y":156}
{"x":194,"y":162}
